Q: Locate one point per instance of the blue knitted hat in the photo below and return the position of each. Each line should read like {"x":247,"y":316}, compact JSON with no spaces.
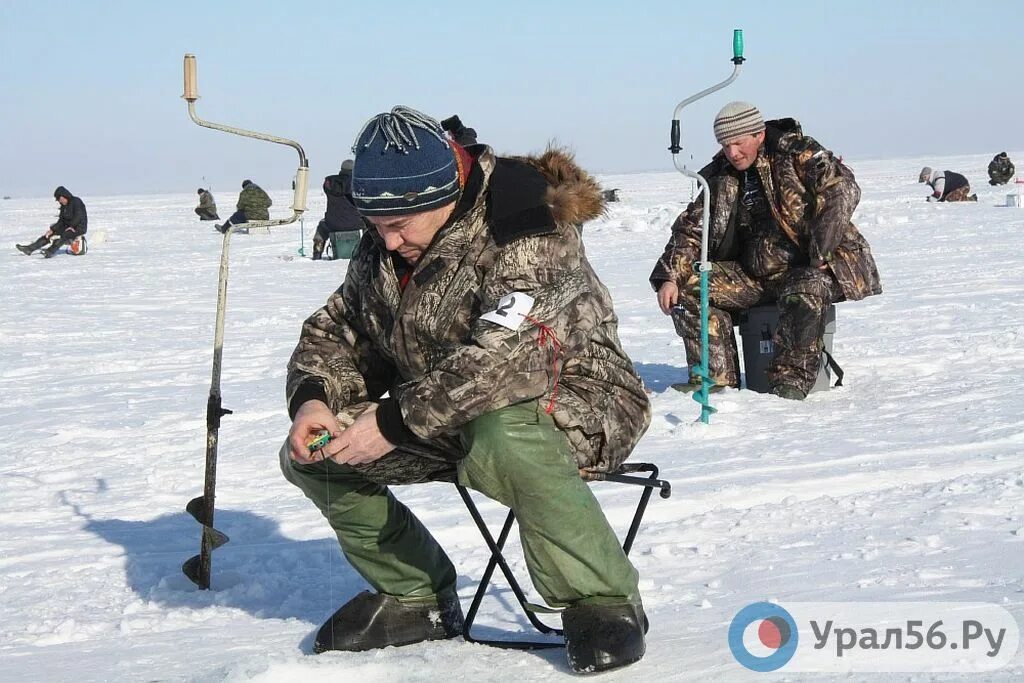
{"x":403,"y":165}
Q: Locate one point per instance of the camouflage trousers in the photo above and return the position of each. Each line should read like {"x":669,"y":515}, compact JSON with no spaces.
{"x":803,"y":296}
{"x":961,"y":194}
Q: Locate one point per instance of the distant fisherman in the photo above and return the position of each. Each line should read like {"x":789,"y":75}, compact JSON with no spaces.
{"x":341,"y":215}
{"x":458,"y":131}
{"x":947,"y":186}
{"x":253,"y":205}
{"x":207,"y":209}
{"x":72,"y":222}
{"x":1000,"y":169}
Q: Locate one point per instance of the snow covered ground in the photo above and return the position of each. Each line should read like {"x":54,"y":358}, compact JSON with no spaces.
{"x":906,"y":484}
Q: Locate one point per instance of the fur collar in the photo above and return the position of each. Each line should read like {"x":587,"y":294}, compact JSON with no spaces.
{"x":572,"y":195}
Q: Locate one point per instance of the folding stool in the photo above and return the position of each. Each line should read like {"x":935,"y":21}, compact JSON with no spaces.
{"x":497,"y":559}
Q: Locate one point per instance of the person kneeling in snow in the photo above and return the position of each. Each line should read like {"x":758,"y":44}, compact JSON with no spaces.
{"x":780,"y":233}
{"x":947,"y":186}
{"x":473,"y":307}
{"x":207,"y":209}
{"x":72,"y":223}
{"x":1000,"y":169}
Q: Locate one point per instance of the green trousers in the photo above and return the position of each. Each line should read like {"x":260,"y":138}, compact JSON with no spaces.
{"x":516,"y":456}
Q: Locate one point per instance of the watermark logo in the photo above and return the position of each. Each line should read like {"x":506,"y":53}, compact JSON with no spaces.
{"x":845,"y":637}
{"x":763,"y":636}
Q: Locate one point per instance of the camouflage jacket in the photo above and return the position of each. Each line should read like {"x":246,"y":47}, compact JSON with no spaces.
{"x":254,"y":202}
{"x":514,"y":230}
{"x":1000,"y":169}
{"x":206,"y":202}
{"x":811,"y":197}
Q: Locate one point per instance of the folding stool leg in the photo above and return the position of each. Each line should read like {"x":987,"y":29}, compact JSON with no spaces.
{"x":497,"y":559}
{"x":650,"y":482}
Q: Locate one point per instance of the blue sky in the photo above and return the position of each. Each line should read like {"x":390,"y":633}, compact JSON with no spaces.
{"x":92,"y":89}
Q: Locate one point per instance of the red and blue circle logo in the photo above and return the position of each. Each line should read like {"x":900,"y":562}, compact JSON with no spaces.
{"x":763,"y":637}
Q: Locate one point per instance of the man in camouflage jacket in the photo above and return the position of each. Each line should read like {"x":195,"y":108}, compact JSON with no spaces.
{"x":473,"y":307}
{"x":253,"y":205}
{"x":207,"y":209}
{"x":1000,"y":169}
{"x":780,"y":233}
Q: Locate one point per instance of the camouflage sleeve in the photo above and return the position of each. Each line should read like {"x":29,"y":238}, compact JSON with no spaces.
{"x":335,"y":359}
{"x":683,"y":248}
{"x":494,"y":366}
{"x":836,"y":197}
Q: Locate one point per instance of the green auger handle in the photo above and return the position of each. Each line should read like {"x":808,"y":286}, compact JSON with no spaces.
{"x":737,"y":46}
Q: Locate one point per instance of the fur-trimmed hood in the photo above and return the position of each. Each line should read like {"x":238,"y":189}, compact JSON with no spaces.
{"x":573,"y":195}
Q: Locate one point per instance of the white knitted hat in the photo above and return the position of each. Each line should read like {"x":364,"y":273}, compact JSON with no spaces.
{"x":737,"y":119}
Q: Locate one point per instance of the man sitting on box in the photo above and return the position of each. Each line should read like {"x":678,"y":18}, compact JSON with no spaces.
{"x":780,"y":233}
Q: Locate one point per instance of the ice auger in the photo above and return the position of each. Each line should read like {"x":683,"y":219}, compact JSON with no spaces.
{"x":704,"y":266}
{"x":197,"y":568}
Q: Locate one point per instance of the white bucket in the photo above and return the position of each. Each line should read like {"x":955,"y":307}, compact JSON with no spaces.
{"x":1014,"y":199}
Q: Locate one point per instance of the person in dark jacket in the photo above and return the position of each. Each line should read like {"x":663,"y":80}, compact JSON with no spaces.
{"x":207,"y":209}
{"x":1000,"y":169}
{"x":472,"y":305}
{"x":341,"y":215}
{"x":781,"y":232}
{"x":253,"y":205}
{"x":947,"y":186}
{"x":72,"y":222}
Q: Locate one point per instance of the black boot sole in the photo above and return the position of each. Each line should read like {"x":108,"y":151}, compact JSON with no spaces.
{"x":370,"y":621}
{"x":604,"y":637}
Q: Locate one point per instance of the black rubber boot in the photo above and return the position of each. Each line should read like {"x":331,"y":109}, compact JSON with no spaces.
{"x":603,"y":637}
{"x":51,"y":250}
{"x":372,"y":620}
{"x":29,"y":248}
